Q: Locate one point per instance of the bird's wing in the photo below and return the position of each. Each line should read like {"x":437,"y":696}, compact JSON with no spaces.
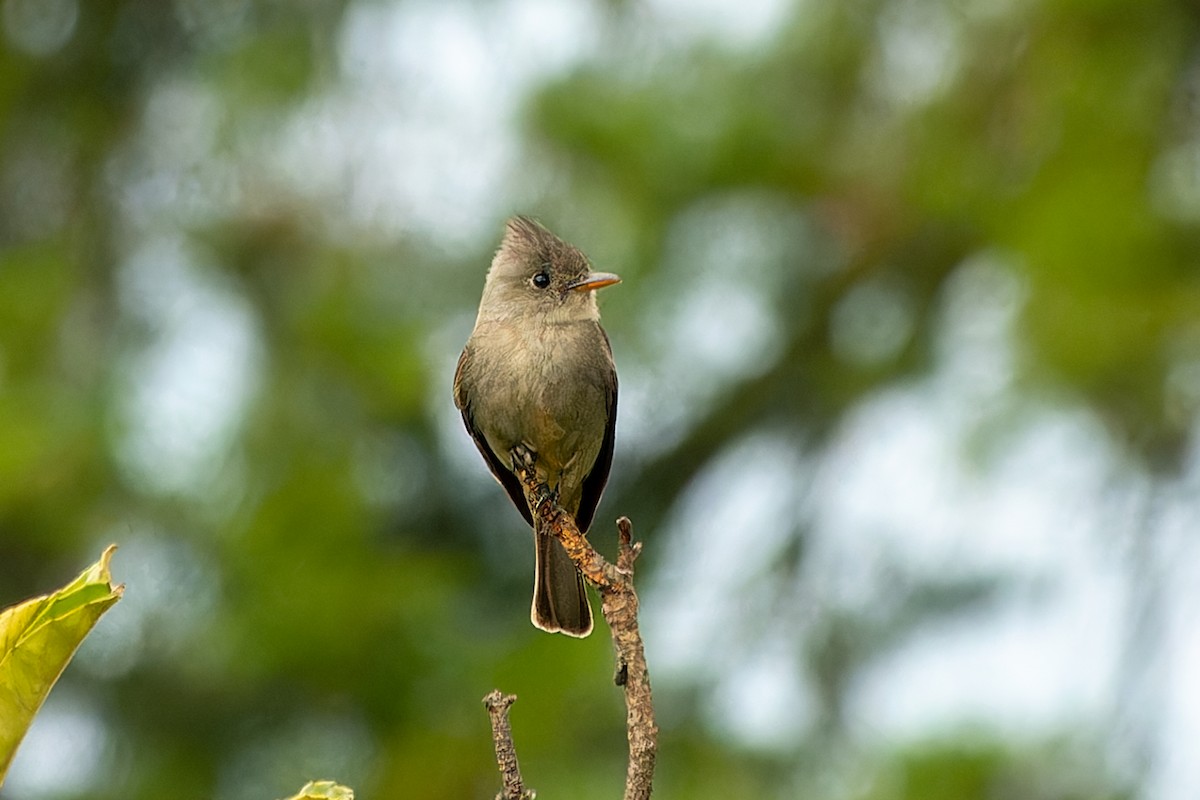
{"x":503,"y":475}
{"x":594,"y":481}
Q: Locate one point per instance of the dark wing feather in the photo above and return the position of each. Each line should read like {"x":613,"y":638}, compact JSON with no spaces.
{"x":505,"y":477}
{"x":593,"y":483}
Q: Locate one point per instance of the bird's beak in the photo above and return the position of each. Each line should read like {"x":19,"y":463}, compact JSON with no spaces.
{"x":596,"y":280}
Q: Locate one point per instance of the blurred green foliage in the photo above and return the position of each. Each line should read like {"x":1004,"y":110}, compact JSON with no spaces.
{"x":321,"y":583}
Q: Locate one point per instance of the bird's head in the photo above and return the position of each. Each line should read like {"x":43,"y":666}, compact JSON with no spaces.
{"x":535,"y":272}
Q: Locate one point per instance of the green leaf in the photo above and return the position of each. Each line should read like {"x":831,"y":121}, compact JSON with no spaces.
{"x":323,"y":790}
{"x":37,"y":639}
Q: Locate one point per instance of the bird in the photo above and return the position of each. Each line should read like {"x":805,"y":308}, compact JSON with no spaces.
{"x":537,"y":370}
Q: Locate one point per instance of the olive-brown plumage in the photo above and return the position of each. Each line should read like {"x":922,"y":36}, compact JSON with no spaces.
{"x":538,"y":371}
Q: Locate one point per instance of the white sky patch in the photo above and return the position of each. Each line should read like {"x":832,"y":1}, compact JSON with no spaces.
{"x":767,"y":705}
{"x":420,"y":133}
{"x":899,"y":477}
{"x":39,"y":27}
{"x":897,"y":488}
{"x":271,"y":759}
{"x":63,"y":751}
{"x":719,"y":329}
{"x":710,"y":314}
{"x":899,"y":482}
{"x":709,"y":538}
{"x":723,"y":329}
{"x":443,"y":346}
{"x":976,"y":350}
{"x":1175,"y":774}
{"x":185,"y":390}
{"x":891,"y":471}
{"x":174,"y":171}
{"x":743,"y":23}
{"x":919,"y":51}
{"x":1047,"y":508}
{"x":1177,"y":766}
{"x":729,"y":530}
{"x":171,"y":590}
{"x":1024,"y":668}
{"x":1042,"y":659}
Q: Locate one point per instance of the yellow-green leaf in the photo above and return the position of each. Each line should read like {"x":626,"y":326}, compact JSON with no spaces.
{"x":323,"y":790}
{"x":37,"y":639}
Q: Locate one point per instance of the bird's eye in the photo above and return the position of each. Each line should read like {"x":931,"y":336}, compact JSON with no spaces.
{"x":541,"y":280}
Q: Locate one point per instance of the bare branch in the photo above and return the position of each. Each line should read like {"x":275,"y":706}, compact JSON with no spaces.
{"x":619,"y":604}
{"x":544,"y":504}
{"x":497,"y":705}
{"x":620,"y":608}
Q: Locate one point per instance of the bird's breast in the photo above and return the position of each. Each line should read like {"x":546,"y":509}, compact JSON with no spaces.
{"x":539,"y":387}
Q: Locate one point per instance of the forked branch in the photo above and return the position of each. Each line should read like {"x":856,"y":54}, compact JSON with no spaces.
{"x":619,"y":604}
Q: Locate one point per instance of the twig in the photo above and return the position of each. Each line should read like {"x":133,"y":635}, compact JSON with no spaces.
{"x":542,"y":502}
{"x":619,"y":604}
{"x":497,"y":705}
{"x":620,"y":608}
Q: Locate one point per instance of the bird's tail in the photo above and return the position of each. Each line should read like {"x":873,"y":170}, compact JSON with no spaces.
{"x":560,"y":603}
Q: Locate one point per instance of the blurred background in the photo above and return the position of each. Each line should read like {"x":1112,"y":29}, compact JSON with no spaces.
{"x":909,"y":346}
